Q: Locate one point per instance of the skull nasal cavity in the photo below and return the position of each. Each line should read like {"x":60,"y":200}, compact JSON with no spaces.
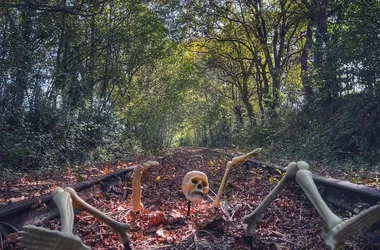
{"x":200,"y":185}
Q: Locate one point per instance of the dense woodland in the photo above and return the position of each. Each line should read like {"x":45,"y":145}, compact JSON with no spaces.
{"x":102,"y":80}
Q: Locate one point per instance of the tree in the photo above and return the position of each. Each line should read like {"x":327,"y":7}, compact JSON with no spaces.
{"x":265,"y":37}
{"x":66,"y":70}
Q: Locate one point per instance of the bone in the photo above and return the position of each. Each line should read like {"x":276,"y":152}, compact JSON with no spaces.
{"x":152,"y":164}
{"x":136,"y":184}
{"x":253,"y":218}
{"x":216,"y":202}
{"x":38,"y":238}
{"x":230,"y":164}
{"x":351,"y":226}
{"x":120,"y":228}
{"x":65,"y":207}
{"x":136,"y":188}
{"x":305,"y":180}
{"x":243,"y":158}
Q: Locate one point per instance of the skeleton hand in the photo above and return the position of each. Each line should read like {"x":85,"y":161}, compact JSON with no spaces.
{"x":39,"y":238}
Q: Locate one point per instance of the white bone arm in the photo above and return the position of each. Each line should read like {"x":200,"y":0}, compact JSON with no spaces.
{"x":253,"y":218}
{"x":120,"y":228}
{"x":305,"y":180}
{"x":338,"y":229}
{"x":64,"y":203}
{"x":38,"y":238}
{"x":235,"y":160}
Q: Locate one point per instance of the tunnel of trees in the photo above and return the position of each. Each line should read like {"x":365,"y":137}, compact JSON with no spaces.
{"x":102,"y":80}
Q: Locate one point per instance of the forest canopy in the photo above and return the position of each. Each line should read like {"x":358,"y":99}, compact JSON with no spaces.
{"x":104,"y":80}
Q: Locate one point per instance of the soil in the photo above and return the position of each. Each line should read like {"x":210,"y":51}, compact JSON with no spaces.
{"x":290,"y":222}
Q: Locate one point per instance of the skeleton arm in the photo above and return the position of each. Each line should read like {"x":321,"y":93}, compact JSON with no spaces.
{"x":136,"y":184}
{"x":253,"y":218}
{"x":305,"y":180}
{"x":120,"y":228}
{"x":230,"y":164}
{"x":338,"y":230}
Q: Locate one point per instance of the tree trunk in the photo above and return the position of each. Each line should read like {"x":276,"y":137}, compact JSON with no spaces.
{"x":24,"y":61}
{"x":248,"y":106}
{"x":308,"y":91}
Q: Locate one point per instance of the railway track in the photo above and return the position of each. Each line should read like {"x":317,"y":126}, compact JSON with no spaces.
{"x":342,"y":194}
{"x":33,"y":211}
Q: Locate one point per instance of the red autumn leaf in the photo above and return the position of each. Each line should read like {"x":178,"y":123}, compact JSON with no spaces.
{"x":106,"y":170}
{"x":157,"y":218}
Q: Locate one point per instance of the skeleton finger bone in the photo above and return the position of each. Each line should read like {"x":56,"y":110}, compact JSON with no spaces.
{"x":194,"y":186}
{"x":352,"y":226}
{"x":235,"y":160}
{"x":136,"y":184}
{"x":120,"y":228}
{"x":253,"y":218}
{"x":34,"y":238}
{"x":305,"y":180}
{"x":39,"y":238}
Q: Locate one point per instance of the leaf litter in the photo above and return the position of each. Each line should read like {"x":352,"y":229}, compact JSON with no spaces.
{"x":290,"y":222}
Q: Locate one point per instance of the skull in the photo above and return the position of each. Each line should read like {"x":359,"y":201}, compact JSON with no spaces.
{"x":195,"y":186}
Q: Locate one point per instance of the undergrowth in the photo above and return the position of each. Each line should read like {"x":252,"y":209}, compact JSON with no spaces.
{"x":346,"y":134}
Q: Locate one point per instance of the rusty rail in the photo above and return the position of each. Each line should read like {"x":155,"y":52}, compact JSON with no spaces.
{"x":28,"y":212}
{"x":343,"y":194}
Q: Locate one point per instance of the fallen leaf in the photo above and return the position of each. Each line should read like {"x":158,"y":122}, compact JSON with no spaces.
{"x":271,"y":180}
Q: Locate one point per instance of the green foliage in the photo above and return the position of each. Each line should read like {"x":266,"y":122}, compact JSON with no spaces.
{"x":99,"y":80}
{"x":335,"y":118}
{"x":86,"y":85}
{"x":58,"y":137}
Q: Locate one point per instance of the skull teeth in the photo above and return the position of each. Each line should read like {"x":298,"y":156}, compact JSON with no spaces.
{"x":197,"y":192}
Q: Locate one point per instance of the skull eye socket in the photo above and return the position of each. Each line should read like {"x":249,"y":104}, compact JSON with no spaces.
{"x":194,"y":181}
{"x":204,"y":184}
